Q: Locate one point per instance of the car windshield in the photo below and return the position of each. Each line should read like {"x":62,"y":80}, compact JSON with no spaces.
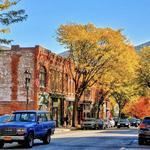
{"x":133,"y":120}
{"x":4,"y":118}
{"x":138,"y":120}
{"x":90,"y":119}
{"x":123,"y":120}
{"x":23,"y":117}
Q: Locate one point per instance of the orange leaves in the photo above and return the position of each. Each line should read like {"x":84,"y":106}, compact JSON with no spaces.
{"x":139,"y":109}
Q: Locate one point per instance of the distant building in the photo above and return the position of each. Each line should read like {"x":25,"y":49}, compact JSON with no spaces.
{"x":138,"y":47}
{"x":64,"y":54}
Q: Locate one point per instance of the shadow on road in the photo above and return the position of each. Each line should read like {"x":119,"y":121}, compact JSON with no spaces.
{"x":95,"y":143}
{"x":120,"y":131}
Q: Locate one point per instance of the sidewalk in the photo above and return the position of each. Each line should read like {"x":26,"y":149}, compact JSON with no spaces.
{"x":64,"y":129}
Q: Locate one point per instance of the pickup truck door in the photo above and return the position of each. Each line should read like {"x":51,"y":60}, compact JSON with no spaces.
{"x":39,"y":126}
{"x":46,"y":123}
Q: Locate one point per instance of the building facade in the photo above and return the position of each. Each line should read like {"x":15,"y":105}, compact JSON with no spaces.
{"x":51,"y":86}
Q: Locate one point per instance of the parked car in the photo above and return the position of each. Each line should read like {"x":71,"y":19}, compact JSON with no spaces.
{"x":123,"y":123}
{"x":25,"y":126}
{"x":89,"y":123}
{"x":138,"y":121}
{"x":101,"y":124}
{"x":135,"y":122}
{"x":144,"y":131}
{"x":4,"y":118}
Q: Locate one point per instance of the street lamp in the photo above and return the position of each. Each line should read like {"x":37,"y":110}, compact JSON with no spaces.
{"x":27,"y":83}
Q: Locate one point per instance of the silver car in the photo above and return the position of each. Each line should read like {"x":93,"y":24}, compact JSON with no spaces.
{"x":89,"y":123}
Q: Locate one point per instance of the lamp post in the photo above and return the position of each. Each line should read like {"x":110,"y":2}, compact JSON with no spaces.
{"x":27,"y":83}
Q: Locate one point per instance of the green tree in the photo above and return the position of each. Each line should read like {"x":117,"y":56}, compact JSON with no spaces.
{"x":8,"y":17}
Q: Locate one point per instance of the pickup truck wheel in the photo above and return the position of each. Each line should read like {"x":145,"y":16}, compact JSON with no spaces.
{"x":47,"y":138}
{"x":20,"y":142}
{"x":29,"y":141}
{"x":1,"y":144}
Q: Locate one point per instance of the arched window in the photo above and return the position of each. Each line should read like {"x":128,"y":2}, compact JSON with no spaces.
{"x":43,"y":76}
{"x":66,"y":83}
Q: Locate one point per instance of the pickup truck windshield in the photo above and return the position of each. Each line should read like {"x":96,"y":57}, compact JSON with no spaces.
{"x":23,"y":117}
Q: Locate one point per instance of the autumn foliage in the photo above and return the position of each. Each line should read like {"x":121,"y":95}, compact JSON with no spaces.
{"x":139,"y":109}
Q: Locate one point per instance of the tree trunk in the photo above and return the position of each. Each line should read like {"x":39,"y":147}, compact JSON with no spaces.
{"x":119,"y":116}
{"x":98,"y":112}
{"x":75,"y":105}
{"x":101,"y":100}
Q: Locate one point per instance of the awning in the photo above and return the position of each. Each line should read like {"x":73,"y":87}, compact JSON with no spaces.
{"x":70,"y":99}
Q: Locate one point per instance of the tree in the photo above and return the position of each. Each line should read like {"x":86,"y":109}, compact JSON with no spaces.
{"x":139,"y":108}
{"x":144,"y":71}
{"x":8,"y":17}
{"x":93,"y":51}
{"x":119,"y":81}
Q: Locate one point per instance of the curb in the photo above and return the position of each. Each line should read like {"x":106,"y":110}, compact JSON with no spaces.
{"x":64,"y":130}
{"x":61,"y":130}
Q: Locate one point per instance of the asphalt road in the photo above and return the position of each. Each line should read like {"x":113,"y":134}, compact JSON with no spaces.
{"x":111,"y":139}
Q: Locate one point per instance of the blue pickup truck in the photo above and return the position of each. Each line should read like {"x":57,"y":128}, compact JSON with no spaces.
{"x":25,"y":126}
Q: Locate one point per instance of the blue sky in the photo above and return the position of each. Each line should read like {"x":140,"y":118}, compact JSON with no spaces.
{"x":45,"y":16}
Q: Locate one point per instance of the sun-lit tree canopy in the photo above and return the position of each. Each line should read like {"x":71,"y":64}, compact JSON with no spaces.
{"x":144,"y":71}
{"x":99,"y":55}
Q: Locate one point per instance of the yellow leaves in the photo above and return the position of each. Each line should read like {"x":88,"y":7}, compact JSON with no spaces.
{"x":5,"y":30}
{"x":144,"y":70}
{"x":145,"y":59}
{"x":6,"y":4}
{"x":103,"y":52}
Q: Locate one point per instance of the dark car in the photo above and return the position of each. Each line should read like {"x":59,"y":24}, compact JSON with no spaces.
{"x":101,"y":124}
{"x":123,"y":123}
{"x":144,"y":131}
{"x":4,"y":118}
{"x":138,"y":121}
{"x":135,"y":122}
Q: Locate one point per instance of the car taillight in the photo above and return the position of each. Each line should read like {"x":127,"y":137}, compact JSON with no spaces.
{"x":142,"y":126}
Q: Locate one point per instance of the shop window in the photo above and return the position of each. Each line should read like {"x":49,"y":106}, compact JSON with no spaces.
{"x":42,"y":76}
{"x":87,"y":94}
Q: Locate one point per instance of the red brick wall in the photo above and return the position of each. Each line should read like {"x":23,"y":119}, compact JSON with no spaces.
{"x":13,"y":63}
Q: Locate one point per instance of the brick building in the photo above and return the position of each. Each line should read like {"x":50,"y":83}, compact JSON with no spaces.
{"x":51,"y":86}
